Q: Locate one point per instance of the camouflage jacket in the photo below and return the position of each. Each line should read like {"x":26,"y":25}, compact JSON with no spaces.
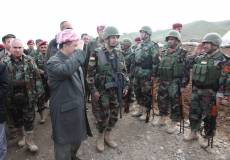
{"x":102,"y":72}
{"x":129,"y":58}
{"x":31,"y":52}
{"x":146,"y":60}
{"x":90,"y":49}
{"x":24,"y":74}
{"x":206,"y":69}
{"x":41,"y":61}
{"x":3,"y":54}
{"x":174,"y":66}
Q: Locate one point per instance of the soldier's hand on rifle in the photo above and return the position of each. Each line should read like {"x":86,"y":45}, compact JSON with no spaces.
{"x":96,"y":96}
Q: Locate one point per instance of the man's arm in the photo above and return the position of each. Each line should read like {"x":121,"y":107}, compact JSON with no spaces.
{"x":65,"y":69}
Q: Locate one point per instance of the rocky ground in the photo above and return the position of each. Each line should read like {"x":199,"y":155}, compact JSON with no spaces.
{"x":137,"y":141}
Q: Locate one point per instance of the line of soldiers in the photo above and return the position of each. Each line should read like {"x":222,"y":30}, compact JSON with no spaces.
{"x":117,"y":73}
{"x":141,"y":66}
{"x":28,"y":87}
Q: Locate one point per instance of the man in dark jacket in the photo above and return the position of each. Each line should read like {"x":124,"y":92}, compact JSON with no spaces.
{"x":3,"y":91}
{"x":67,"y":102}
{"x":53,"y":45}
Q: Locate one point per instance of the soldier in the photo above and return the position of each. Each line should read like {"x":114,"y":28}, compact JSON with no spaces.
{"x":6,"y":42}
{"x":224,"y":90}
{"x":173,"y":75}
{"x":95,"y":43}
{"x":105,"y":74}
{"x":146,"y":64}
{"x":31,"y":51}
{"x":25,"y":86}
{"x":206,"y":73}
{"x":129,"y":57}
{"x":41,"y":63}
{"x":177,"y":27}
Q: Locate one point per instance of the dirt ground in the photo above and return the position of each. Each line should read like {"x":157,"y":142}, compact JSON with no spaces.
{"x":137,"y":140}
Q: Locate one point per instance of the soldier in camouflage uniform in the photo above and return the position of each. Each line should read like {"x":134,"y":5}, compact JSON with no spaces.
{"x":129,"y":57}
{"x":25,"y":86}
{"x":225,"y":83}
{"x":30,"y":51}
{"x":6,"y":42}
{"x":105,"y":73}
{"x":41,"y":63}
{"x":206,"y":73}
{"x":90,"y":49}
{"x":146,"y":63}
{"x":173,"y":75}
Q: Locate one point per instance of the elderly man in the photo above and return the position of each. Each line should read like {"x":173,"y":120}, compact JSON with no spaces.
{"x":25,"y":86}
{"x":67,"y":102}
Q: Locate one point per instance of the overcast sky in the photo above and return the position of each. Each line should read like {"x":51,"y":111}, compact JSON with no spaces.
{"x":32,"y":19}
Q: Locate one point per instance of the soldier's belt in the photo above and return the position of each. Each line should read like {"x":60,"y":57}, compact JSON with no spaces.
{"x":110,"y":85}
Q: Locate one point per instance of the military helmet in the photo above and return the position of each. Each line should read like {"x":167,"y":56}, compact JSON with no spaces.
{"x":213,"y":38}
{"x":173,"y":33}
{"x":110,"y":31}
{"x":146,"y":29}
{"x":127,"y":41}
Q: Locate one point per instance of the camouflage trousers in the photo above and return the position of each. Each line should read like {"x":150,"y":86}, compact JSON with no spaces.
{"x":168,"y":98}
{"x":23,"y":114}
{"x":106,"y":110}
{"x":201,"y":105}
{"x":44,"y":97}
{"x":142,"y":89}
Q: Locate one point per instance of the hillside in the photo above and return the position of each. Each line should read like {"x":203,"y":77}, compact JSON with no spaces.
{"x":191,"y":31}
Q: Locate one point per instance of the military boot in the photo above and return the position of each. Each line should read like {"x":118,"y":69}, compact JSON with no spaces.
{"x":30,"y":142}
{"x":22,"y":138}
{"x":100,"y":142}
{"x":203,"y":142}
{"x":42,"y":116}
{"x":171,"y":127}
{"x":109,"y":140}
{"x":138,"y":112}
{"x":192,"y":136}
{"x":144,"y":114}
{"x":160,"y":122}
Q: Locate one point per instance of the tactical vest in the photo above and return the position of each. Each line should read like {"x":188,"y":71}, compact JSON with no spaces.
{"x":172,"y":66}
{"x":143,"y":60}
{"x":107,"y":66}
{"x":206,"y":73}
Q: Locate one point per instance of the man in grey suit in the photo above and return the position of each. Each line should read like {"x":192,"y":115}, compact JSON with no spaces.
{"x":67,"y":102}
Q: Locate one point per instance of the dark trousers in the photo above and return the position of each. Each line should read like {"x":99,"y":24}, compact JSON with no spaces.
{"x":66,"y":151}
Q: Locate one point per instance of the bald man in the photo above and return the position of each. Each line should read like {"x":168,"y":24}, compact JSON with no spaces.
{"x":24,"y":89}
{"x":53,"y":46}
